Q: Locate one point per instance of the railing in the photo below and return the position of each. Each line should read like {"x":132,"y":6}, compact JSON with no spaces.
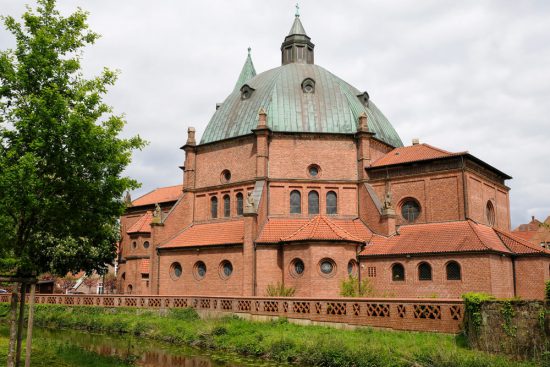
{"x":439,"y":315}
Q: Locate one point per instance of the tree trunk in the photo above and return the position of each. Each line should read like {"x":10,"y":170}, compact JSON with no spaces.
{"x":13,"y":328}
{"x":29,"y":326}
{"x":21,"y":324}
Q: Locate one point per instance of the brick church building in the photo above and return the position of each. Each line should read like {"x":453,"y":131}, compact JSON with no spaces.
{"x":299,"y":179}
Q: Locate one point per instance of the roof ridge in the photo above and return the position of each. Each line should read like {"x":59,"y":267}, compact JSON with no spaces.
{"x":477,"y":235}
{"x":436,"y":148}
{"x":519,"y":240}
{"x":336,"y":228}
{"x":298,"y":230}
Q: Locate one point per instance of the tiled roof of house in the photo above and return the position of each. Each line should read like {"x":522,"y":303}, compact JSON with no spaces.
{"x":316,"y":229}
{"x":144,"y":266}
{"x":208,"y":234}
{"x":413,"y":153}
{"x":143,"y":225}
{"x":160,"y":195}
{"x":448,"y":237}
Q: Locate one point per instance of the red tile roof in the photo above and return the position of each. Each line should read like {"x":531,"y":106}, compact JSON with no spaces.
{"x":217,"y":233}
{"x":319,"y":228}
{"x":144,"y":266}
{"x":463,"y":236}
{"x":419,"y":152}
{"x":143,"y":225}
{"x":160,"y":195}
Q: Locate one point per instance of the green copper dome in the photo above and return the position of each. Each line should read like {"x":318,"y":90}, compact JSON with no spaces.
{"x":298,"y":97}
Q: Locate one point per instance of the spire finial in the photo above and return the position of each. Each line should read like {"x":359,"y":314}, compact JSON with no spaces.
{"x":297,"y":10}
{"x":249,"y":49}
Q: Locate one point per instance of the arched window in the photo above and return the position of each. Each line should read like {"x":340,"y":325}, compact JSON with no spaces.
{"x":424,"y":271}
{"x":397,"y":273}
{"x":129,"y":289}
{"x":295,"y":202}
{"x":332,"y":203}
{"x":239,"y":204}
{"x":490,"y":213}
{"x":453,"y":271}
{"x":226,"y":206}
{"x":313,"y":202}
{"x":214,"y":207}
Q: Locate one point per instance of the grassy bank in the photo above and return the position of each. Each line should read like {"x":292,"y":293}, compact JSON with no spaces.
{"x":278,"y":341}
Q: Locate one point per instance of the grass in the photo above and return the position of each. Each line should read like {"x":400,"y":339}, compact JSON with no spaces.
{"x":277,"y":341}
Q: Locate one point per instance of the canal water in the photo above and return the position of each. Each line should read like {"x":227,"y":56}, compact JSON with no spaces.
{"x":142,"y":352}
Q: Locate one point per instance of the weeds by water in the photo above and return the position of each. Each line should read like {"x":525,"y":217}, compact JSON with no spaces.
{"x":278,"y":340}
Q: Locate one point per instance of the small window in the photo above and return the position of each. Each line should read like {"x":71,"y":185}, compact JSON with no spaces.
{"x":175,"y":270}
{"x":352,"y":268}
{"x":371,"y":271}
{"x":410,"y":210}
{"x":200,"y":270}
{"x":490,"y":213}
{"x":313,"y":202}
{"x":123,"y":276}
{"x":397,"y":273}
{"x":146,"y":244}
{"x":297,"y":267}
{"x":214,"y":207}
{"x":129,"y":289}
{"x":239,"y":204}
{"x":144,"y":276}
{"x":327,"y":267}
{"x":226,"y":206}
{"x":364,"y":98}
{"x":453,"y":271}
{"x":332,"y":203}
{"x":246,"y":91}
{"x":308,"y":85}
{"x":225,"y":176}
{"x":313,"y":170}
{"x":134,"y":245}
{"x":424,"y":271}
{"x":226,"y":269}
{"x":295,"y":202}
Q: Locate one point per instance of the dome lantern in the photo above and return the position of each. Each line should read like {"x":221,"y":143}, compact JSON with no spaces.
{"x":297,"y":46}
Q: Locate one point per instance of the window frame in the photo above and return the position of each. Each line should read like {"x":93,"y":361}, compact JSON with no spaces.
{"x":240,"y":203}
{"x":420,"y":267}
{"x":226,"y":206}
{"x":310,"y":194}
{"x":393,"y":272}
{"x":296,"y":207}
{"x":214,"y":207}
{"x":453,"y":262}
{"x":335,"y":206}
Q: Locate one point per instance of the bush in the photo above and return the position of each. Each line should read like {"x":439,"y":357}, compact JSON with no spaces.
{"x":279,"y":290}
{"x":472,"y":305}
{"x":547,"y":290}
{"x":351,"y":288}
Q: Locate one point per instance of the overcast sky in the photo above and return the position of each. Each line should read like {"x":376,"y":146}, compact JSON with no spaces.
{"x":460,"y":75}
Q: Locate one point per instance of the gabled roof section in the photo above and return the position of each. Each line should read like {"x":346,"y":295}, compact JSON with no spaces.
{"x":160,"y":195}
{"x":519,"y":245}
{"x":320,"y":228}
{"x":413,"y":153}
{"x":143,"y":225}
{"x":248,"y":72}
{"x":208,"y":234}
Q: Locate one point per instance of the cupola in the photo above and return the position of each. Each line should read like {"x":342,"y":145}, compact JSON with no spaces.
{"x":297,"y":46}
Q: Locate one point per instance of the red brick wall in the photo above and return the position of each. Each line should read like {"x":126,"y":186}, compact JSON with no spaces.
{"x":531,"y":273}
{"x":132,"y":273}
{"x":212,"y":283}
{"x":268,"y":268}
{"x":479,"y":192}
{"x":202,"y":201}
{"x":480,"y":273}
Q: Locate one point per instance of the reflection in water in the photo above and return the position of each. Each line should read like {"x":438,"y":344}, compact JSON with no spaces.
{"x":145,"y":353}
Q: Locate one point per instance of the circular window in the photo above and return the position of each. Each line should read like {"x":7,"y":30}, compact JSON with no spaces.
{"x":146,"y":244}
{"x":200,"y":270}
{"x":175,"y":271}
{"x":327,"y":267}
{"x":410,"y":210}
{"x":226,"y":175}
{"x":297,"y":267}
{"x":134,"y":245}
{"x":490,"y":213}
{"x":226,"y":269}
{"x":352,"y":268}
{"x":314,"y":170}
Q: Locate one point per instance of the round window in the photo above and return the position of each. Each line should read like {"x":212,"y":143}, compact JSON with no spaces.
{"x":226,"y":175}
{"x":226,"y":269}
{"x":146,"y":244}
{"x":327,"y":267}
{"x":352,"y":268}
{"x":176,"y":270}
{"x":410,"y":210}
{"x":313,"y":170}
{"x":297,"y":267}
{"x":200,"y":270}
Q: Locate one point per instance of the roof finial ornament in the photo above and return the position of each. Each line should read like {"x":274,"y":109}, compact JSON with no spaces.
{"x":249,"y":49}
{"x":297,"y":10}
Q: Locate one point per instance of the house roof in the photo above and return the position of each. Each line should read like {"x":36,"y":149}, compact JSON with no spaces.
{"x":318,"y":228}
{"x":413,"y":153}
{"x":208,"y":234}
{"x":448,"y":237}
{"x":144,"y":266}
{"x":143,"y":224}
{"x":160,"y":195}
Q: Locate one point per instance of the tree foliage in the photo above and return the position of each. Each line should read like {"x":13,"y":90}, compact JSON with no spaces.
{"x":61,"y":157}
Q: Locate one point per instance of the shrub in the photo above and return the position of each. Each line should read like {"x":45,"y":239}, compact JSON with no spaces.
{"x":350,"y":287}
{"x":472,"y":304}
{"x":547,"y":290}
{"x":279,"y":290}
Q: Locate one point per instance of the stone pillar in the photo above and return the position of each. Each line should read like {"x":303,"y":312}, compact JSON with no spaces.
{"x":189,"y":165}
{"x":387,"y":219}
{"x":249,"y":252}
{"x":262,"y":144}
{"x":363,"y":137}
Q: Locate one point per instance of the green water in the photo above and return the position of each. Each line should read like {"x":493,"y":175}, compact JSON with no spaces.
{"x":133,"y":350}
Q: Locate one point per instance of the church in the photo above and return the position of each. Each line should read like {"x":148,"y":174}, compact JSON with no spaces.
{"x":299,"y":180}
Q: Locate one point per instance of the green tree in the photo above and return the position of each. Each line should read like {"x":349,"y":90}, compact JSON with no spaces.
{"x":61,"y":157}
